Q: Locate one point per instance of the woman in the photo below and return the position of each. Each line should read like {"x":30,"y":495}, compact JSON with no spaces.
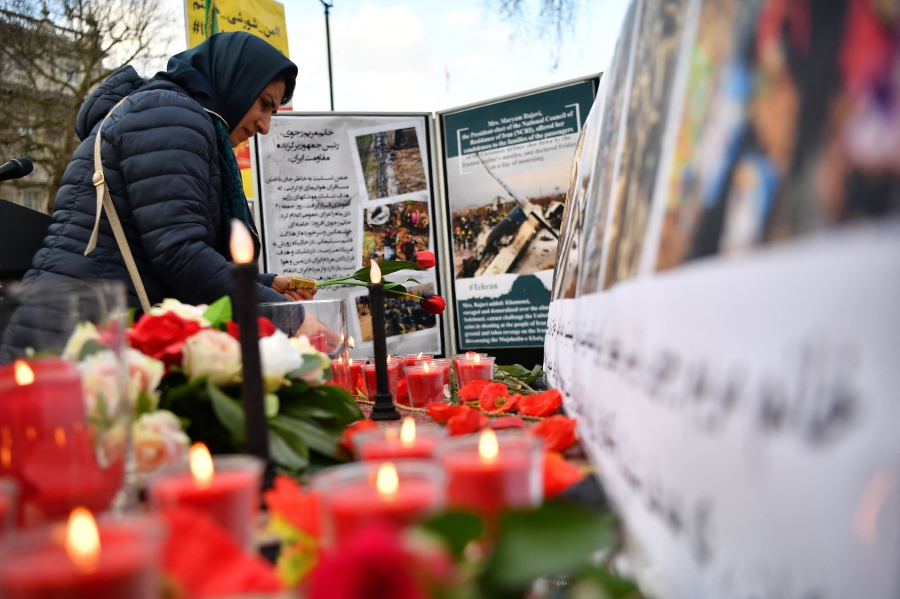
{"x":171,"y":172}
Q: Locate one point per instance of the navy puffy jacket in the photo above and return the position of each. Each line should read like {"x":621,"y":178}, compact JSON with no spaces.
{"x":159,"y":158}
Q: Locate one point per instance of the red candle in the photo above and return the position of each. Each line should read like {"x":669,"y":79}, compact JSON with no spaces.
{"x":473,"y":367}
{"x":411,"y":359}
{"x":410,"y":441}
{"x":120,"y":560}
{"x":356,"y":494}
{"x":441,"y":364}
{"x":8,"y":492}
{"x":45,"y":442}
{"x":357,"y":382}
{"x":227,"y":488}
{"x":425,"y":384}
{"x":318,"y":341}
{"x":487,"y":473}
{"x":340,"y":370}
{"x":393,"y":367}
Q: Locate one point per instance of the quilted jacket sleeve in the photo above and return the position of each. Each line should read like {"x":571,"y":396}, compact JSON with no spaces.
{"x":166,"y":146}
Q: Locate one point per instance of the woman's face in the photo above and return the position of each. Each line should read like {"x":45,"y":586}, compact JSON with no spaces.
{"x":260,"y":114}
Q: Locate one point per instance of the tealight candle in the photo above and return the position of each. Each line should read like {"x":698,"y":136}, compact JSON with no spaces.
{"x":473,"y":367}
{"x":401,"y":493}
{"x":8,"y":492}
{"x":356,"y":376}
{"x":487,"y":473}
{"x":442,"y":364}
{"x":119,"y":559}
{"x":411,"y":441}
{"x":425,"y":384}
{"x":227,"y":488}
{"x":370,"y":373}
{"x":411,"y":359}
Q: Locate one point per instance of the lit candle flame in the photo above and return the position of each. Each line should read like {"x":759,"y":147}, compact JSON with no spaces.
{"x":488,"y":447}
{"x":24,"y":374}
{"x":408,"y":432}
{"x":351,"y":342}
{"x":476,"y":359}
{"x":375,"y":273}
{"x":419,"y":357}
{"x":425,"y":365}
{"x":83,"y":540}
{"x":387,"y":482}
{"x":201,"y":466}
{"x":241,"y":243}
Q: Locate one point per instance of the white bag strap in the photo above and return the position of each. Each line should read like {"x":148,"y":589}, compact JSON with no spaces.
{"x":104,"y":201}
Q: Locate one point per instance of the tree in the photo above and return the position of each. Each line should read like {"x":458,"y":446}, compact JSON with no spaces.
{"x":53,"y":54}
{"x":545,"y":17}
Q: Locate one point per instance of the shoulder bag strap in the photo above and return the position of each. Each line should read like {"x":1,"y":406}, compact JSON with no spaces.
{"x":104,"y":201}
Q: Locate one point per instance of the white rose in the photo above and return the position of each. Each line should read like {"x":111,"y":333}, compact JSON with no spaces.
{"x":214,"y":354}
{"x":84,"y":332}
{"x":100,"y":384}
{"x":144,"y":374}
{"x":185,"y":311}
{"x":317,"y":375}
{"x":159,"y":441}
{"x":279,"y":356}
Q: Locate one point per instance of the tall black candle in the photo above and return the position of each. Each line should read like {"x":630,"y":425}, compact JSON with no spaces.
{"x":244,"y":273}
{"x":384,"y":400}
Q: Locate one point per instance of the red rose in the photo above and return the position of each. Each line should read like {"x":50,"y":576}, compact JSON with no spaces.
{"x":424,"y":259}
{"x":433,"y":304}
{"x":265,"y":326}
{"x":472,"y":391}
{"x":442,"y":412}
{"x":287,"y":498}
{"x":466,"y":421}
{"x":162,"y":337}
{"x":541,"y":404}
{"x":357,"y":427}
{"x":495,"y":397}
{"x":559,"y":474}
{"x":558,"y":432}
{"x":373,"y":562}
{"x":507,"y":422}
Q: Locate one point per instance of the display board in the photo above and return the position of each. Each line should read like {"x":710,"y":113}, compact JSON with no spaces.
{"x":725,"y":320}
{"x":506,"y":170}
{"x":339,"y":190}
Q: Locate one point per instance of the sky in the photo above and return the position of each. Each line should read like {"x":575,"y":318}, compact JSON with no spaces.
{"x":426,"y":55}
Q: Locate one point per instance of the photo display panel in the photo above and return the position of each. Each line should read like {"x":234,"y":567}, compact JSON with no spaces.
{"x":340,"y":190}
{"x":507,"y":166}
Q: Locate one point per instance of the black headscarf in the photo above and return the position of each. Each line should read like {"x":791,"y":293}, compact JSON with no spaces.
{"x":226,"y":74}
{"x":237,"y":65}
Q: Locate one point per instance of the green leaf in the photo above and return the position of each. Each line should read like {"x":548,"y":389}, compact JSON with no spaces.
{"x":398,"y":291}
{"x":597,"y":582}
{"x":145,"y":404}
{"x":229,"y":412}
{"x":313,"y":434}
{"x":553,"y":540}
{"x":313,"y":412}
{"x":310,"y":363}
{"x":90,"y":347}
{"x":457,"y":529}
{"x":182,"y":391}
{"x":330,"y":398}
{"x":289,"y":451}
{"x":388,"y":267}
{"x":389,"y":286}
{"x":219,"y":312}
{"x":272,"y":405}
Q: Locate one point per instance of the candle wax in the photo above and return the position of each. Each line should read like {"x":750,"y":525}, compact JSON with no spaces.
{"x":390,"y":449}
{"x":356,"y":375}
{"x":4,"y":513}
{"x":393,"y":372}
{"x":232,"y":499}
{"x":359,"y":502}
{"x":487,"y":487}
{"x":45,"y":443}
{"x":424,"y":387}
{"x":469,"y":370}
{"x":126,"y":569}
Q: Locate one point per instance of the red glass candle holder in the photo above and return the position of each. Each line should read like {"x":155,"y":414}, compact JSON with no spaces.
{"x":393,"y":368}
{"x":340,"y":372}
{"x":444,"y":365}
{"x":35,"y":565}
{"x":350,"y":497}
{"x":425,"y":384}
{"x":357,"y":380}
{"x":231,"y":498}
{"x":389,"y":444}
{"x":9,"y":490}
{"x":512,"y":478}
{"x":473,"y":367}
{"x":411,"y":359}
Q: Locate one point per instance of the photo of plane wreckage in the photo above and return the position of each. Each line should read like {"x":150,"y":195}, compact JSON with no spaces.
{"x":527,"y":227}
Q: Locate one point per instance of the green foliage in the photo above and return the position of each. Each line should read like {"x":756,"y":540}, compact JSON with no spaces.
{"x":219,"y":312}
{"x":145,"y":404}
{"x":517,"y":378}
{"x":387,"y":267}
{"x":229,"y":412}
{"x":90,"y":347}
{"x":456,"y":529}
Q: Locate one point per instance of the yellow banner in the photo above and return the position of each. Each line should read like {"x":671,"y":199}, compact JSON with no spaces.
{"x":263,"y":18}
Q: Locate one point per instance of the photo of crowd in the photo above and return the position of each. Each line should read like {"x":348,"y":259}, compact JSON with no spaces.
{"x":401,"y":315}
{"x":395,"y":231}
{"x":391,"y":163}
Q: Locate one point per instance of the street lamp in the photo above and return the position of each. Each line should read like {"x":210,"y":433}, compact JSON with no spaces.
{"x":328,"y":43}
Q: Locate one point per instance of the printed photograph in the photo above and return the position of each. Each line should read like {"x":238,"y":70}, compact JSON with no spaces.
{"x":391,"y":163}
{"x":402,"y":316}
{"x":395,"y":231}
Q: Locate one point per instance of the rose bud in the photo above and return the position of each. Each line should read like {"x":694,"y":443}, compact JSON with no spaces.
{"x":433,"y":304}
{"x":424,"y":259}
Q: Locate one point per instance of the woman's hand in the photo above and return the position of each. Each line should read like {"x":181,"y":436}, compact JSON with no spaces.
{"x":312,"y":325}
{"x":281,"y":284}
